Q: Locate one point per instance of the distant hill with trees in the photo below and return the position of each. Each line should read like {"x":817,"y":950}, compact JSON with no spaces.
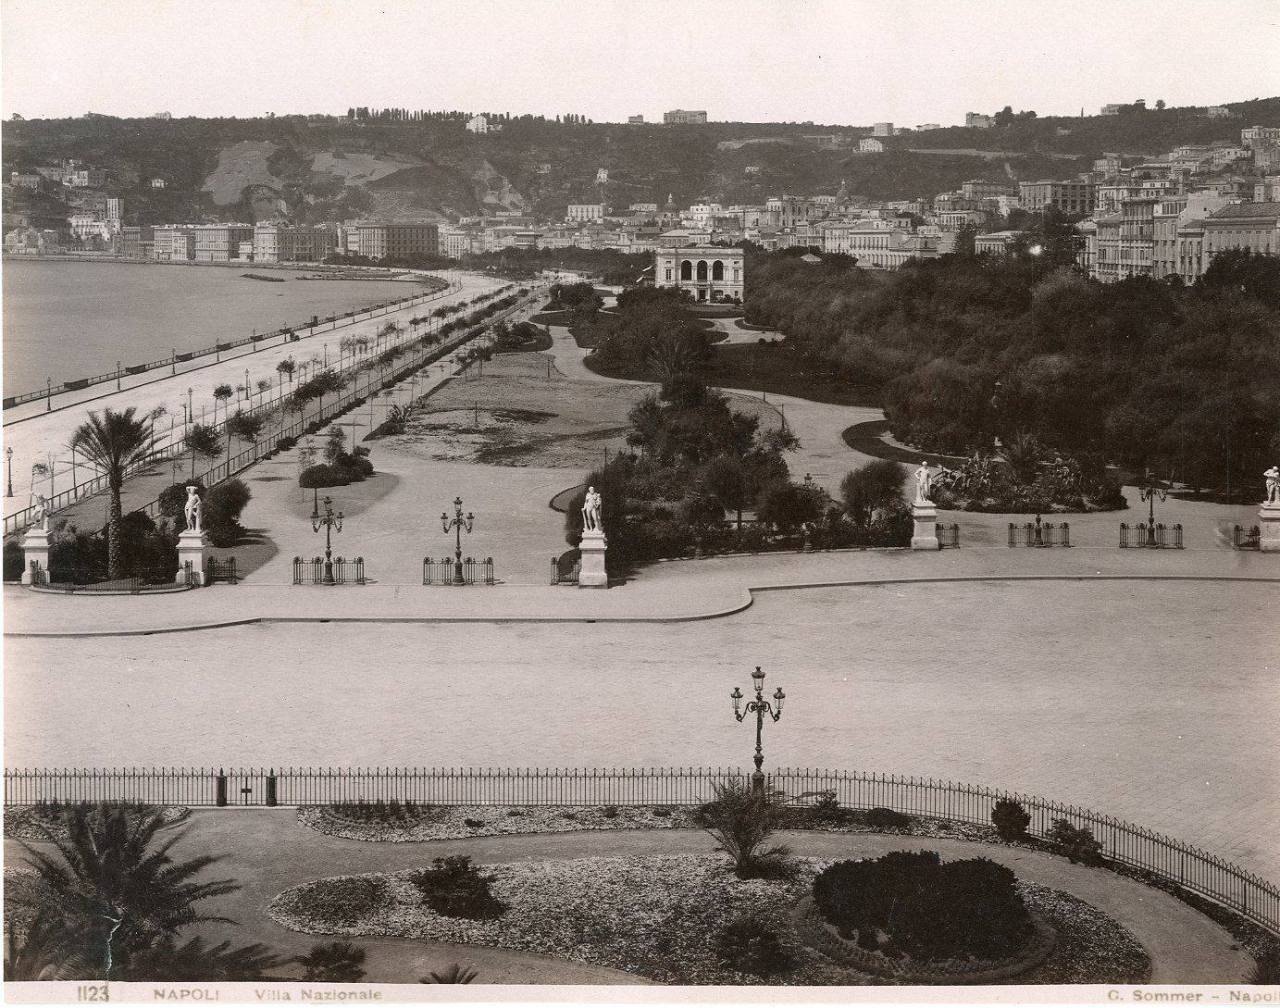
{"x":400,"y":163}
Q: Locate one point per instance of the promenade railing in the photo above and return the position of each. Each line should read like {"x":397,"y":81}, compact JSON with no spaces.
{"x":316,"y":325}
{"x":363,"y":380}
{"x":1122,"y":842}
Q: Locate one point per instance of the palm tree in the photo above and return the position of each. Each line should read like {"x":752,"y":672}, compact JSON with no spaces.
{"x":113,"y":443}
{"x":42,"y":949}
{"x":333,"y":962}
{"x":222,"y":393}
{"x":113,"y":881}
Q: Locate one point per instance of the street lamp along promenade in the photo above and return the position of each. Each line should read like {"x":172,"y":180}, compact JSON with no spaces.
{"x":759,"y":707}
{"x":331,"y":522}
{"x":456,"y":524}
{"x":1150,"y":489}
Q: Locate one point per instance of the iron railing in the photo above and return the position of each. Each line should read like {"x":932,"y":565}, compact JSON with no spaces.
{"x":220,"y":570}
{"x":948,"y":535}
{"x":388,"y":374}
{"x":1158,"y":536}
{"x":1122,"y":842}
{"x":313,"y":571}
{"x":310,"y":328}
{"x":1246,"y":539}
{"x":449,"y":572}
{"x":1040,"y":533}
{"x":90,"y":580}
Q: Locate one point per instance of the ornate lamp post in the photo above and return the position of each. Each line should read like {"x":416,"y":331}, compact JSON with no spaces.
{"x":1149,"y":491}
{"x":759,"y":707}
{"x":330,"y":521}
{"x":456,"y":524}
{"x":8,"y":457}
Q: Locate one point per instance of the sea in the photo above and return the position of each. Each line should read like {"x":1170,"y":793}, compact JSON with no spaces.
{"x":69,"y":320}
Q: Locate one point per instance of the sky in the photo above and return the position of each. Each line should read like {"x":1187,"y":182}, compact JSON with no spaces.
{"x":842,"y":62}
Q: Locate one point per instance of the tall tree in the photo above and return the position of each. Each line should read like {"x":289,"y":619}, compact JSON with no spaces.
{"x":113,"y":443}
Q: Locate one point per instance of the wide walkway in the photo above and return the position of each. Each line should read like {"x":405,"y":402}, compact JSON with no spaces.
{"x":268,"y":852}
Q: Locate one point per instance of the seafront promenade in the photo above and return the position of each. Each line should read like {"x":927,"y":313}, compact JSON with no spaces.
{"x":33,"y":433}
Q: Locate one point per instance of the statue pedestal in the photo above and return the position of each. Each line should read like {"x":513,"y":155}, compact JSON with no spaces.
{"x":35,"y":550}
{"x":592,"y":573}
{"x":1269,"y":528}
{"x":191,"y":547}
{"x":925,"y":536}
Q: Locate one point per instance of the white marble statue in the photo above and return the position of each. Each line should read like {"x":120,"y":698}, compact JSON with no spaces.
{"x":41,"y":515}
{"x":591,"y":521}
{"x":924,"y":483}
{"x":192,"y":511}
{"x":1273,"y":485}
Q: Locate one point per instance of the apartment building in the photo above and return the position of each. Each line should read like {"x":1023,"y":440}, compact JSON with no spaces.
{"x":584,"y":212}
{"x":996,"y":243}
{"x":978,"y":121}
{"x":869,"y":145}
{"x":219,"y":242}
{"x":882,"y":129}
{"x":1251,"y":226}
{"x":876,"y":244}
{"x":1069,"y":197}
{"x":684,"y":117}
{"x":278,"y":242}
{"x":173,"y":243}
{"x":379,"y":240}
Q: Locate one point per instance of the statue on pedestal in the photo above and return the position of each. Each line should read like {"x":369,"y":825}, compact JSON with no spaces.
{"x":1273,"y":485}
{"x":41,"y":515}
{"x":192,"y":512}
{"x":591,"y":504}
{"x":924,"y":483}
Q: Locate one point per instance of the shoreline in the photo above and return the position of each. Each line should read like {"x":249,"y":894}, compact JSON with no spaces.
{"x":424,"y":284}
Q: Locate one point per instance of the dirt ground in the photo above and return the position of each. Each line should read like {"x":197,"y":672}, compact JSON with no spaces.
{"x":524,"y":412}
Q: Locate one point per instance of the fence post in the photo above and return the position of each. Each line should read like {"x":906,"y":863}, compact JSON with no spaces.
{"x":271,"y":788}
{"x":220,"y":790}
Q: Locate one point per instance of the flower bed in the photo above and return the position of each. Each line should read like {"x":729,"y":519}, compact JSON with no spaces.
{"x":24,"y":822}
{"x":663,"y":917}
{"x":417,"y":823}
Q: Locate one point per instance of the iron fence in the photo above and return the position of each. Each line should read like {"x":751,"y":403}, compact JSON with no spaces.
{"x":220,"y":570}
{"x":1246,"y":539}
{"x":1158,"y":536}
{"x":1122,"y":842}
{"x":1039,"y":533}
{"x":90,"y":580}
{"x":341,"y":570}
{"x":948,"y":535}
{"x":450,"y":572}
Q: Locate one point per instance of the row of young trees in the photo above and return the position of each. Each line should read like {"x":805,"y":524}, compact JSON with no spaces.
{"x":967,"y":349}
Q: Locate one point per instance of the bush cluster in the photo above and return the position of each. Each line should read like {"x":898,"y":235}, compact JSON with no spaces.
{"x":911,"y":903}
{"x":453,"y":886}
{"x":1076,"y":842}
{"x":223,"y":505}
{"x":343,"y":901}
{"x":1011,"y":819}
{"x":752,"y":945}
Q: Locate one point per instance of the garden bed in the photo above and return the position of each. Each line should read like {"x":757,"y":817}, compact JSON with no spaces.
{"x":23,"y":822}
{"x":663,"y":917}
{"x":417,"y":823}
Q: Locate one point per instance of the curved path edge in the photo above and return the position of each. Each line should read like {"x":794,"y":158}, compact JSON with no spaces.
{"x":745,"y":602}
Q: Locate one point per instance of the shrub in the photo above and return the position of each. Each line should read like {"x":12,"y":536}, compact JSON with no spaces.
{"x":453,"y":886}
{"x":662,"y":811}
{"x":1077,"y":843}
{"x":333,"y":962}
{"x":474,"y":823}
{"x":173,"y":498}
{"x":1266,"y":970}
{"x":223,"y":505}
{"x":886,"y":818}
{"x":909,"y":902}
{"x":455,"y":974}
{"x":610,"y":812}
{"x":1011,"y":819}
{"x":741,"y":819}
{"x":343,"y":901}
{"x":14,"y":560}
{"x":751,"y":945}
{"x":322,"y":475}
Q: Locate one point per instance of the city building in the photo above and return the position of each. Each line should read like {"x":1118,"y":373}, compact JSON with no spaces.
{"x":979,"y":189}
{"x":220,"y":242}
{"x":709,"y":273}
{"x":458,"y":242}
{"x":137,"y":241}
{"x":635,"y":119}
{"x":1251,"y":136}
{"x":1254,"y":227}
{"x":929,"y":126}
{"x":162,"y":115}
{"x":882,"y":129}
{"x":379,"y":240}
{"x":585,"y":212}
{"x":1218,"y":112}
{"x":868,"y":145}
{"x":115,"y":212}
{"x":1110,"y":110}
{"x":876,"y":244}
{"x":996,"y":243}
{"x":173,"y":243}
{"x":85,"y":178}
{"x":684,"y":117}
{"x":25,"y":180}
{"x":157,"y":183}
{"x":1069,"y":197}
{"x":644,"y":208}
{"x":978,"y":120}
{"x":275,"y":241}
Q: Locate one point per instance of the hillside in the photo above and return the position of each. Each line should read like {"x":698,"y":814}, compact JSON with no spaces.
{"x":320,"y":168}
